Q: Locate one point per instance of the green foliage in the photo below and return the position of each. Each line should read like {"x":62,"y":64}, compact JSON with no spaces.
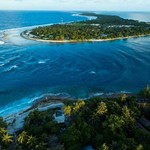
{"x":102,"y":108}
{"x":101,"y":121}
{"x":114,"y":123}
{"x":78,"y":106}
{"x":140,"y":147}
{"x":31,"y":141}
{"x":41,"y":146}
{"x":104,"y":147}
{"x":146,"y":92}
{"x":7,"y":139}
{"x":70,"y":110}
{"x":103,"y":27}
{"x":2,"y":131}
{"x":22,"y":138}
{"x":3,"y":124}
{"x":37,"y":128}
{"x":123,"y":97}
{"x":38,"y":123}
{"x":67,"y":110}
{"x":127,"y":115}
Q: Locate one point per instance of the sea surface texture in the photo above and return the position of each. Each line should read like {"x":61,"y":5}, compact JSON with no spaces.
{"x":29,"y":69}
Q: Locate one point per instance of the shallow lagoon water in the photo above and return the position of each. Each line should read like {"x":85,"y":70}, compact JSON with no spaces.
{"x":30,"y":69}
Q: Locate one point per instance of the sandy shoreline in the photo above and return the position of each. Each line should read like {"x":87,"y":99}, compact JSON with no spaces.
{"x":29,"y":37}
{"x":16,"y":121}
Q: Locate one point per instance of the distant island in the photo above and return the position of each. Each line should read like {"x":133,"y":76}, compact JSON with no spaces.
{"x":102,"y":28}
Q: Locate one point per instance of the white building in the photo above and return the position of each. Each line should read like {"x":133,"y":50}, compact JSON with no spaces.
{"x":59,"y":116}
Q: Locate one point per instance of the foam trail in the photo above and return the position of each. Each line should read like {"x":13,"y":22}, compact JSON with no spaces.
{"x":11,"y":68}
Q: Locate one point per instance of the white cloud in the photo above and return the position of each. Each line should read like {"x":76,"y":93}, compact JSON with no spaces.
{"x":115,"y":5}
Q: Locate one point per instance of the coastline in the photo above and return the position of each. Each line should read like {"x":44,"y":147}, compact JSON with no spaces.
{"x":15,"y":120}
{"x":24,"y":112}
{"x":29,"y":37}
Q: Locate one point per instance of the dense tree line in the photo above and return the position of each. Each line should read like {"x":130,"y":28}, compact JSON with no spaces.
{"x":111,"y":20}
{"x":103,"y":27}
{"x":103,"y":123}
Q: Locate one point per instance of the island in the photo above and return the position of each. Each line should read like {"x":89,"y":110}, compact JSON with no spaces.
{"x":101,"y":28}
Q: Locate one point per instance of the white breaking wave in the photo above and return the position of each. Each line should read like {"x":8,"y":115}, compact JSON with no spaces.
{"x":7,"y":61}
{"x":97,"y":94}
{"x":2,"y":42}
{"x":41,"y":62}
{"x":10,"y":68}
{"x":80,"y":15}
{"x":25,"y":103}
{"x":2,"y":64}
{"x":92,"y":72}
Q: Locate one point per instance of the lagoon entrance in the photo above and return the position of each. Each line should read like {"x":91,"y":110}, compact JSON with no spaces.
{"x":29,"y":69}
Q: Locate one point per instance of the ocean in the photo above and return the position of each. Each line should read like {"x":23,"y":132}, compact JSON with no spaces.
{"x":30,"y":70}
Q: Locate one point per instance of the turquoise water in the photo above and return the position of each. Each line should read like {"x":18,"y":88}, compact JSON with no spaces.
{"x":29,"y":70}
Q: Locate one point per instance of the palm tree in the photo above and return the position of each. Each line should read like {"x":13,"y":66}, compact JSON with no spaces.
{"x":31,"y":141}
{"x":40,"y":146}
{"x":22,"y":137}
{"x":67,"y":110}
{"x":123,"y":97}
{"x":7,"y":139}
{"x":102,"y":108}
{"x":3,"y":131}
{"x":104,"y":147}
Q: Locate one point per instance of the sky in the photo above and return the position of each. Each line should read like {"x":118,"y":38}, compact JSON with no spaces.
{"x":95,"y":5}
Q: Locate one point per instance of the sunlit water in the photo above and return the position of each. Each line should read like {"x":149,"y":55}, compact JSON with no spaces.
{"x":29,"y":69}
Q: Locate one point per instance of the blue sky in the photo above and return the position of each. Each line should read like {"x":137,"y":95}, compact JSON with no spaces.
{"x":106,"y":5}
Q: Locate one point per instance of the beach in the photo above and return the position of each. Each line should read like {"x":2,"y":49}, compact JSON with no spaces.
{"x":29,"y":36}
{"x":16,"y":121}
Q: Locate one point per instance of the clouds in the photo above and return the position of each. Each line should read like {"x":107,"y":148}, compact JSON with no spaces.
{"x":115,"y":5}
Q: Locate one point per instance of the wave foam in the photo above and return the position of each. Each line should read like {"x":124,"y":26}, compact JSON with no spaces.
{"x":2,"y":42}
{"x":11,"y":68}
{"x":25,"y":103}
{"x":41,"y":62}
{"x":2,"y":64}
{"x":92,"y":72}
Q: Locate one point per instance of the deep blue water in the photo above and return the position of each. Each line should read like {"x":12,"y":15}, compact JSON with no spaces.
{"x":17,"y":19}
{"x":31,"y":69}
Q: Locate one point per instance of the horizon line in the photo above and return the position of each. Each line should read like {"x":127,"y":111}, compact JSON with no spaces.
{"x":75,"y":10}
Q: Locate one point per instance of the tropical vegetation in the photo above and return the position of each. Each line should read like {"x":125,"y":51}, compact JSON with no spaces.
{"x":103,"y":27}
{"x":102,"y":123}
